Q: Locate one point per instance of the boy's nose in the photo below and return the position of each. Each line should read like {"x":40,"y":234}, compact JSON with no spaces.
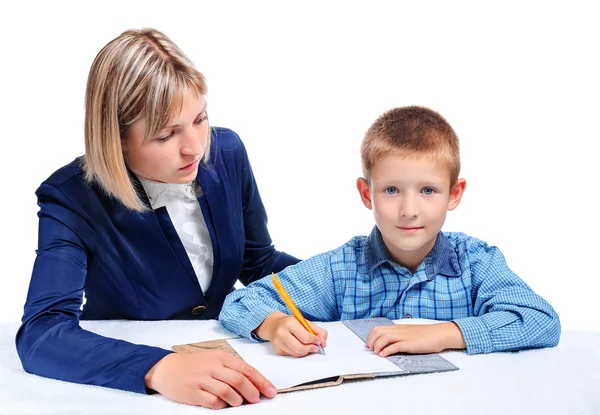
{"x":409,"y":207}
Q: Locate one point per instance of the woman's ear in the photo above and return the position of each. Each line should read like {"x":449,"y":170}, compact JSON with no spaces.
{"x":365,"y":193}
{"x":456,"y":193}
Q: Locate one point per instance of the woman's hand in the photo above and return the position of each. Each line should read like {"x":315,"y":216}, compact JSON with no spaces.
{"x":289,"y":337}
{"x":412,"y":338}
{"x":211,"y":378}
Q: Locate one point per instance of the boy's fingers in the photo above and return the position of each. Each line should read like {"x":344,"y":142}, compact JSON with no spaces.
{"x":293,"y":346}
{"x":383,"y":341}
{"x":303,"y":335}
{"x":299,"y":350}
{"x":393,"y":348}
{"x":379,"y":331}
{"x":372,"y":337}
{"x":321,"y":333}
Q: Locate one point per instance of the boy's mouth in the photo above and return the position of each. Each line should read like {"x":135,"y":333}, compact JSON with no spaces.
{"x":409,"y":228}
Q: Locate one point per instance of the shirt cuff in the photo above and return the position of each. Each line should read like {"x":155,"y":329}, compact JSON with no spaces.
{"x":477,"y":336}
{"x":252,"y":321}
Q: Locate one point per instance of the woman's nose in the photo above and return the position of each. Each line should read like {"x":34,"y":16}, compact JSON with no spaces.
{"x":192,"y":143}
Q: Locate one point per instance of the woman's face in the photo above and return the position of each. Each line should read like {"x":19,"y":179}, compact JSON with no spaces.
{"x":172,"y":155}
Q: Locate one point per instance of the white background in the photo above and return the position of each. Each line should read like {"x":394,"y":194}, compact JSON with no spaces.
{"x":301,"y":83}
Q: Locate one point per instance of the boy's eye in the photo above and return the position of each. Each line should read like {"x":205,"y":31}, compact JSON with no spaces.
{"x":428,"y":191}
{"x":391,"y":190}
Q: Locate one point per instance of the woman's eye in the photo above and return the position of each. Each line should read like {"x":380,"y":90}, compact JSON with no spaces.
{"x":428,"y":191}
{"x":165,"y":138}
{"x":201,"y":119}
{"x":391,"y":190}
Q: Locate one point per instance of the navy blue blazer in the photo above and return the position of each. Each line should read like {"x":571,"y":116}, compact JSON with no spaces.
{"x":133,"y":266}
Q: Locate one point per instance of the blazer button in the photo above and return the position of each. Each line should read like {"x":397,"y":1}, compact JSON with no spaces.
{"x":198,"y":310}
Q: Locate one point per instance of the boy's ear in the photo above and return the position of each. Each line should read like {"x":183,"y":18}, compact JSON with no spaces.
{"x":456,"y":193}
{"x":365,"y":193}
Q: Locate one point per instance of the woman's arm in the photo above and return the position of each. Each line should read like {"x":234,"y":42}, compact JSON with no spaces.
{"x":50,"y":341}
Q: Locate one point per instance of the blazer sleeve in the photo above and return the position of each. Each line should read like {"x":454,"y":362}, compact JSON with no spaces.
{"x":260,"y":256}
{"x":50,"y":341}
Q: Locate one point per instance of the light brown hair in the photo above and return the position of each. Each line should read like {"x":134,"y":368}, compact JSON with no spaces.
{"x":141,"y":74}
{"x":409,"y":132}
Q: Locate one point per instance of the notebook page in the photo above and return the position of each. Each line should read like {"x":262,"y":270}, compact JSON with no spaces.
{"x":345,"y":354}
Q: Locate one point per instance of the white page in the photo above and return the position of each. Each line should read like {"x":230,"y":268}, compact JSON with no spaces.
{"x":345,"y":354}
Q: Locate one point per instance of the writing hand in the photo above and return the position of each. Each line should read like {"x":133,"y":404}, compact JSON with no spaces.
{"x":412,"y":338}
{"x":289,"y":337}
{"x":211,"y":378}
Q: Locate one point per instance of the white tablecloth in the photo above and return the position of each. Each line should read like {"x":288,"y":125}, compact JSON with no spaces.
{"x":561,"y":380}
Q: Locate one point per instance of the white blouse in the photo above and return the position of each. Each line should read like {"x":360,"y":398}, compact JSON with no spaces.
{"x":181,"y":201}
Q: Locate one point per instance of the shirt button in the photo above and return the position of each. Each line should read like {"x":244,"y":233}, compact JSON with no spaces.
{"x":198,"y":310}
{"x":408,"y":316}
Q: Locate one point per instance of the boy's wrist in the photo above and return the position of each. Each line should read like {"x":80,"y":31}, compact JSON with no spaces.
{"x":266,"y":329}
{"x":453,"y":338}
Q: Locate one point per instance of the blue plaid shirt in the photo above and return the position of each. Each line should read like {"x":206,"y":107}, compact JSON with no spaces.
{"x":462,"y":279}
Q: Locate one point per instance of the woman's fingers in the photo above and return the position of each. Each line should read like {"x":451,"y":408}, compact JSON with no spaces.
{"x":214,"y":379}
{"x":257,"y":381}
{"x":207,"y":399}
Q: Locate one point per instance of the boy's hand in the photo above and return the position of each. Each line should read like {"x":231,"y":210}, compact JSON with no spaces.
{"x":289,"y":337}
{"x":410,"y":338}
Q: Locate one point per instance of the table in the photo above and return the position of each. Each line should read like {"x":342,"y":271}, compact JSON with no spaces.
{"x":560,"y":380}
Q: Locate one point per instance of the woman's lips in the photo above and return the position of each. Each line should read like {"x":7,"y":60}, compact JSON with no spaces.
{"x":190,"y":166}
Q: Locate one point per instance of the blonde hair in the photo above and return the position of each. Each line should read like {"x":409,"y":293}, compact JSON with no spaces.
{"x":141,"y":74}
{"x":409,"y":132}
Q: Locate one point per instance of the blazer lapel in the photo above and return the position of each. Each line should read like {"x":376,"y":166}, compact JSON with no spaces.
{"x":171,"y":234}
{"x":161,"y":218}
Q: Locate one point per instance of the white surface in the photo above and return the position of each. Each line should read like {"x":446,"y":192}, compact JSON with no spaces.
{"x":302,"y":81}
{"x":346,"y":354}
{"x":561,"y":380}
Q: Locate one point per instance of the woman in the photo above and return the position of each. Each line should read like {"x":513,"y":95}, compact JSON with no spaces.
{"x":145,"y":232}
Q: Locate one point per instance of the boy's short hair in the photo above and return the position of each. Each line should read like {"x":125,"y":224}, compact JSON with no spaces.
{"x":409,"y":132}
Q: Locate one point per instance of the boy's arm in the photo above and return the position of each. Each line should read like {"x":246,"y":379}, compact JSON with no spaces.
{"x":309,"y":283}
{"x":508,"y":314}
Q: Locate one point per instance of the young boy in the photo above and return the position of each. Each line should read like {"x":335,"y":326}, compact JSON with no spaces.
{"x":406,"y":267}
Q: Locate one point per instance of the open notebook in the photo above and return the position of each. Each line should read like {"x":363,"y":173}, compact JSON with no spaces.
{"x":347,"y":357}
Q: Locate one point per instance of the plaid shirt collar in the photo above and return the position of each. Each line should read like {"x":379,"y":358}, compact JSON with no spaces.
{"x":442,"y":259}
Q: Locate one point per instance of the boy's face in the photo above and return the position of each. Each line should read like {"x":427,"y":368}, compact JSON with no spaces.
{"x":409,"y":198}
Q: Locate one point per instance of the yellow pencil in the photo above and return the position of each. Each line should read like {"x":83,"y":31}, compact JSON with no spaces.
{"x":288,"y":301}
